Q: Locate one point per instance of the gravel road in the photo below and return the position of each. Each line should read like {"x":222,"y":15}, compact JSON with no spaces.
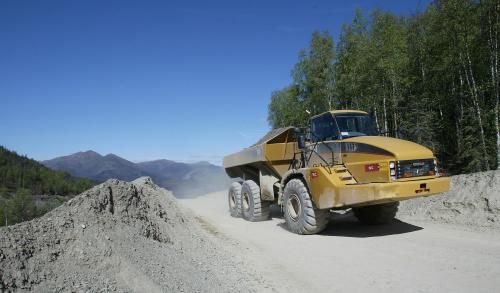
{"x":407,"y":256}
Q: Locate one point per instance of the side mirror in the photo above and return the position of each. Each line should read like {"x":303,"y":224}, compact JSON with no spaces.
{"x":301,"y":141}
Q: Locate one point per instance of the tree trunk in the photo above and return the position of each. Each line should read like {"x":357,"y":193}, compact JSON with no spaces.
{"x":498,"y":135}
{"x":394,"y":107}
{"x":459,"y":137}
{"x":493,"y":22}
{"x":469,"y":77}
{"x":385,"y":118}
{"x":376,"y":120}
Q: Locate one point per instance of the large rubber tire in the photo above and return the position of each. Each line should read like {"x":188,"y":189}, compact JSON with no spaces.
{"x":300,"y":214}
{"x":234,"y":199}
{"x":252,"y":207}
{"x":377,"y":214}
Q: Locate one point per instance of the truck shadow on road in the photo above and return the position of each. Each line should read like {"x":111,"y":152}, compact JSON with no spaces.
{"x":346,"y":225}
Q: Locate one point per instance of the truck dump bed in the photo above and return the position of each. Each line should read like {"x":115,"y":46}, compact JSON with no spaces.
{"x":273,"y":152}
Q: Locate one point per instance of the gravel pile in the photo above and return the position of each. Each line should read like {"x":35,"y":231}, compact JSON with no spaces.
{"x":118,"y":236}
{"x":473,"y":200}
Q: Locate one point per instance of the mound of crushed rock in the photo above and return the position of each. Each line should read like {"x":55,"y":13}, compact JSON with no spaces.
{"x":473,"y":200}
{"x":118,"y":236}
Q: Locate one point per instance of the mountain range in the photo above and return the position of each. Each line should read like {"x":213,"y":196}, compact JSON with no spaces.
{"x":184,"y":180}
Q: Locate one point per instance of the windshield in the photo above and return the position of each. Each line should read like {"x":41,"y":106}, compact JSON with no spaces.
{"x":355,"y":124}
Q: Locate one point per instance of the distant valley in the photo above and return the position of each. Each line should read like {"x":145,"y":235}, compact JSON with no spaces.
{"x":184,"y":180}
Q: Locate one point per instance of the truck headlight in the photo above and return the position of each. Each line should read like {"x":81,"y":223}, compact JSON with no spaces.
{"x":392,"y":170}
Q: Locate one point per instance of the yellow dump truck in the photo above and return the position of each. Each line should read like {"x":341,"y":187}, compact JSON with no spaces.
{"x":339,"y":163}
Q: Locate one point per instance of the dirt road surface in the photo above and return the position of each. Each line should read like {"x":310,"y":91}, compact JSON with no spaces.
{"x":407,"y":256}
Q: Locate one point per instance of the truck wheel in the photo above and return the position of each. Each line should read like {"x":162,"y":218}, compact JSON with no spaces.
{"x":234,"y":199}
{"x":252,"y":207}
{"x":376,"y":214}
{"x":300,"y":215}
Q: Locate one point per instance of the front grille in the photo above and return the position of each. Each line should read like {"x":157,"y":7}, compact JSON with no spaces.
{"x":415,"y":168}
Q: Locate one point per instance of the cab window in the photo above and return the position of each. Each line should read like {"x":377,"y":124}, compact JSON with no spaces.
{"x":324,"y":128}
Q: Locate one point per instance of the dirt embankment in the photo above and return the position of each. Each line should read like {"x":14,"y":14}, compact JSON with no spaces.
{"x":118,"y":236}
{"x":473,"y":200}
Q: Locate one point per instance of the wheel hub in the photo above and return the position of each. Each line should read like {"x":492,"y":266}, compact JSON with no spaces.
{"x":294,"y":207}
{"x":232,"y":200}
{"x":246,"y":202}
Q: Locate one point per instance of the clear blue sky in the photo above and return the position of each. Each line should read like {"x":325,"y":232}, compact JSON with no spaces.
{"x":182,"y":80}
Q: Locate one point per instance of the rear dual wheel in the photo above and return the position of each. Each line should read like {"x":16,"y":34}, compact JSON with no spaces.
{"x":244,"y":201}
{"x":234,"y":199}
{"x":253,"y":208}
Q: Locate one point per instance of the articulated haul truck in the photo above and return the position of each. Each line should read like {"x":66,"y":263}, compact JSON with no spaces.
{"x":342,"y":163}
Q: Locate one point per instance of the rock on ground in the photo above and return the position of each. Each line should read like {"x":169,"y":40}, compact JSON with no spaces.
{"x":118,"y":236}
{"x":473,"y":200}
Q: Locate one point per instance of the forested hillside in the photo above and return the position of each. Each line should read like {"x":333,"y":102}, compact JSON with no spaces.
{"x":432,"y":78}
{"x":21,"y":178}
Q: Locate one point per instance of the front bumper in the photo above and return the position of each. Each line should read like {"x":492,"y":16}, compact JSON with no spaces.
{"x":377,"y":193}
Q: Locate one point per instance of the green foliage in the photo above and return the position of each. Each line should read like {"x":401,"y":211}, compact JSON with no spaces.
{"x":21,"y":177}
{"x":286,"y":109}
{"x":431,"y":78}
{"x":312,"y":88}
{"x":18,"y":172}
{"x":313,"y":74}
{"x":2,"y":211}
{"x":21,"y":207}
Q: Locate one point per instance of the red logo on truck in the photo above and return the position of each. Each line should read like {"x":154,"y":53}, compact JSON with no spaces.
{"x":372,"y":168}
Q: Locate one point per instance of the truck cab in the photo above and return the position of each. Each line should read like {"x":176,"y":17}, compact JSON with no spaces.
{"x":337,"y":125}
{"x":369,"y":157}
